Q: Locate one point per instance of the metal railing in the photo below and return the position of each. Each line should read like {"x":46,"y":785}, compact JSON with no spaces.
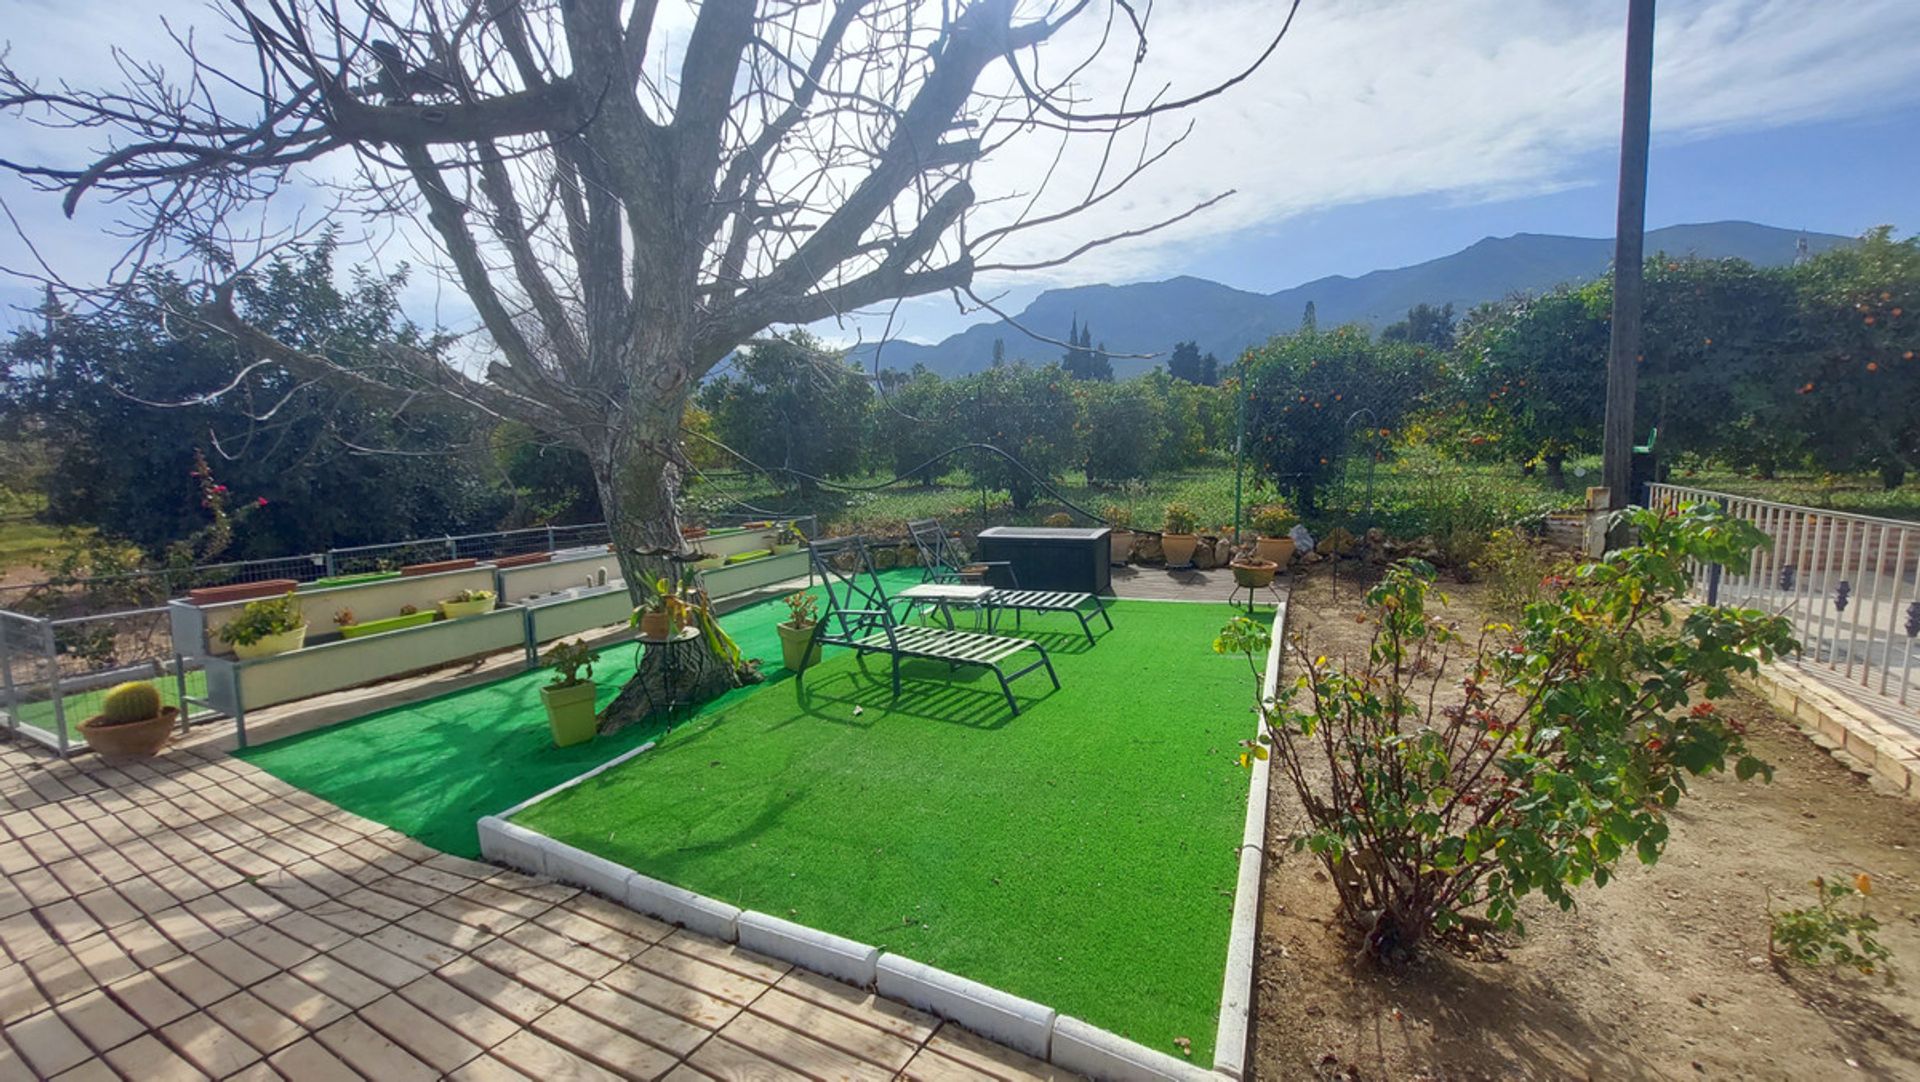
{"x":1847,"y":582}
{"x":54,"y":674}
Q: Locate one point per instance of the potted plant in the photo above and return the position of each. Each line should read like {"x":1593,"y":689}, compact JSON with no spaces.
{"x":1177,"y":538}
{"x":131,"y":721}
{"x":786,"y":540}
{"x":467,"y":603}
{"x":1120,"y":537}
{"x":344,"y":619}
{"x":1250,"y":571}
{"x":662,"y":612}
{"x":269,"y":626}
{"x":568,"y":697}
{"x":797,"y":648}
{"x":1271,"y":522}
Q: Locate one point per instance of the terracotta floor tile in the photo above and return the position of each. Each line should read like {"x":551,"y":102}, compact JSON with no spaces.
{"x":100,"y":1021}
{"x":372,"y":1053}
{"x":47,"y":1043}
{"x":419,"y":1033}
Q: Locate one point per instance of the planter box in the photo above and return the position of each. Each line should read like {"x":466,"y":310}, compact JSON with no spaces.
{"x":391,"y":623}
{"x":522,"y":560}
{"x":753,"y":574}
{"x":272,"y":645}
{"x":576,"y":612}
{"x":747,"y":557}
{"x":350,"y":580}
{"x":436,"y":567}
{"x":242,"y":591}
{"x":194,"y":626}
{"x":235,"y":687}
{"x":454,"y":610}
{"x":590,"y":569}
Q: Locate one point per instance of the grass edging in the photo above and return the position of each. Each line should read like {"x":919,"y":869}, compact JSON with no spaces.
{"x":1234,"y":1038}
{"x":1023,"y":1024}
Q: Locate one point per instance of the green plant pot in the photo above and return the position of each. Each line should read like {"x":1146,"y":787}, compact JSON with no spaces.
{"x":793,"y":647}
{"x":350,"y":580}
{"x":748,"y":557}
{"x":391,"y":623}
{"x":285,"y":642}
{"x":570,"y":713}
{"x":454,"y":610}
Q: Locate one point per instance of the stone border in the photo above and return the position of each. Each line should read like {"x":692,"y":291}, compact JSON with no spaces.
{"x":1233,"y":1040}
{"x":1022,"y":1024}
{"x":1854,"y":734}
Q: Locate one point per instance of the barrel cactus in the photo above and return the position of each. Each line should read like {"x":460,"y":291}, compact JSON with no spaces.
{"x":129,"y":702}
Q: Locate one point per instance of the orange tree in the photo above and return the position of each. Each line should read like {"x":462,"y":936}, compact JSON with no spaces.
{"x":1855,"y":360}
{"x":1313,"y":396}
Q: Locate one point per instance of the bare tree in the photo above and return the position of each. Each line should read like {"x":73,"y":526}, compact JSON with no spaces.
{"x":622,"y":212}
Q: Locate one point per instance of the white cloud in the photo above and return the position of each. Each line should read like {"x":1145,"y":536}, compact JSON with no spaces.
{"x":1366,"y":100}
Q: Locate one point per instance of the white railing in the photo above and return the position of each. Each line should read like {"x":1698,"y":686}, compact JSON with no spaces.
{"x":1846,"y":581}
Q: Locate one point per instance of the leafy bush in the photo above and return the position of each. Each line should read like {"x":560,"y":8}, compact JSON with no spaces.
{"x":1122,"y":427}
{"x":1519,"y":572}
{"x":1179,"y":518}
{"x":267,"y":616}
{"x":1273,"y":520}
{"x":568,"y":660}
{"x":1822,"y":934}
{"x":1564,"y":749}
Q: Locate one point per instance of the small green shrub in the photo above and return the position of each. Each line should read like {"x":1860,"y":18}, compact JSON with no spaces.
{"x":1116,"y":516}
{"x":1566,"y":746}
{"x":1059,"y":520}
{"x":136,"y":700}
{"x":1273,"y":519}
{"x":801,"y":607}
{"x":1823,"y":934}
{"x":568,"y":660}
{"x":267,"y":616}
{"x":1519,"y":572}
{"x":1180,"y":518}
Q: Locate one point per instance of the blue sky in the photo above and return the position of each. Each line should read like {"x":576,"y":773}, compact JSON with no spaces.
{"x":1383,"y":133}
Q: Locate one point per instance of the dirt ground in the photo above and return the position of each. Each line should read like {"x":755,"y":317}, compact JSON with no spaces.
{"x":1661,"y":974}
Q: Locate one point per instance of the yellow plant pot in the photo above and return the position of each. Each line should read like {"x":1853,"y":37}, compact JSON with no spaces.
{"x":285,"y":642}
{"x":1179,"y":547}
{"x":1277,"y":549}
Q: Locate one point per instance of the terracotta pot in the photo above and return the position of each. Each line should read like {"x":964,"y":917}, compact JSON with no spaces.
{"x":134,"y":738}
{"x":793,"y":646}
{"x":1121,"y":542}
{"x":284,"y":643}
{"x":570,"y":712}
{"x":1253,"y":573}
{"x":1179,"y":547}
{"x":243,"y":591}
{"x":523,"y":559}
{"x":1277,"y":549}
{"x":437,"y":566}
{"x":655,"y":625}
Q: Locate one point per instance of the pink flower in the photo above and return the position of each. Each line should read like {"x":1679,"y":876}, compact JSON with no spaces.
{"x":261,"y":502}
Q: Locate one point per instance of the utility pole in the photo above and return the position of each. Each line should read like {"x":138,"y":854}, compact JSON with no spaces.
{"x":1629,"y":238}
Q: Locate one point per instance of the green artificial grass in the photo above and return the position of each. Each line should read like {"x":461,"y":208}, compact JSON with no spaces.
{"x":1082,"y":853}
{"x":432,"y":769}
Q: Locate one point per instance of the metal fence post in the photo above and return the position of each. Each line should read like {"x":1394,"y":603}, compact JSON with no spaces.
{"x":11,"y":701}
{"x":53,"y":687}
{"x":550,"y":545}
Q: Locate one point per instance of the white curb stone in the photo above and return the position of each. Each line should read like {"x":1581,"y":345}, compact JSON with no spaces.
{"x":514,"y":846}
{"x":809,"y":948}
{"x":583,"y":869}
{"x":1015,"y":1022}
{"x":1096,"y":1053}
{"x":676,"y":906}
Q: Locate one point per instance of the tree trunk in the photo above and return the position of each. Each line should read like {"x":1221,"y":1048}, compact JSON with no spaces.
{"x":1556,"y":471}
{"x":639,"y":483}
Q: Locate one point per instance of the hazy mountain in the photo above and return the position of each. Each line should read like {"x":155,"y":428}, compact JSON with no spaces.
{"x":1149,"y":317}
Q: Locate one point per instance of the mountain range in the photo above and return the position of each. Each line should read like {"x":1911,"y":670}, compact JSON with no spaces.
{"x":1149,"y":317}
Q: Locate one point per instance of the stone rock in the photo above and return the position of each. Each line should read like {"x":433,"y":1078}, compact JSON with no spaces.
{"x":1206,"y":555}
{"x":1338,"y":542}
{"x":1147,"y":549}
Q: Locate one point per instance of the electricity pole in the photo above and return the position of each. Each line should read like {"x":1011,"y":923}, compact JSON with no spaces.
{"x":1623,"y":353}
